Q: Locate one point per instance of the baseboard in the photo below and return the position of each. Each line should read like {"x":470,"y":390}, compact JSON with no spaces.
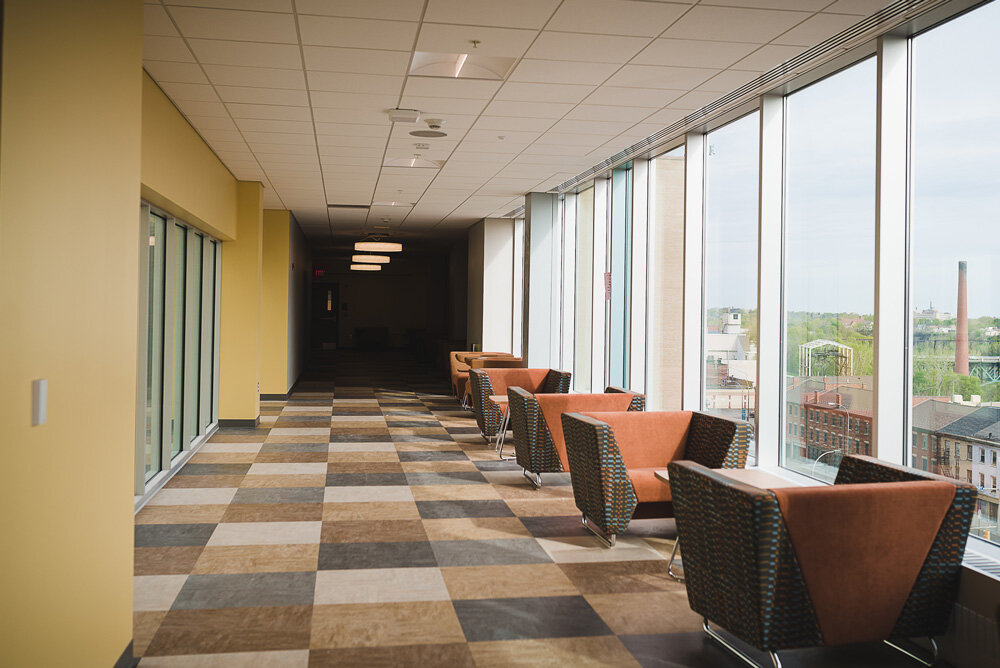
{"x":240,"y":424}
{"x":127,"y":659}
{"x":275,"y":397}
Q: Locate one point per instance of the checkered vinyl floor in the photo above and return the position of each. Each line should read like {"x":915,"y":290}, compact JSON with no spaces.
{"x":366,"y":522}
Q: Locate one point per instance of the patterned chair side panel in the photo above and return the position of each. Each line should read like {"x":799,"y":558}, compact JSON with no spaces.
{"x":601,"y":486}
{"x":533,"y":446}
{"x":488,"y":416}
{"x":711,"y":443}
{"x":638,"y":400}
{"x":556,"y":382}
{"x":739,"y":566}
{"x":736,"y":458}
{"x":928,"y":608}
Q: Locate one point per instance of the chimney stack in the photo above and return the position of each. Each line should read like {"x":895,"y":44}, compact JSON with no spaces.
{"x":962,"y":324}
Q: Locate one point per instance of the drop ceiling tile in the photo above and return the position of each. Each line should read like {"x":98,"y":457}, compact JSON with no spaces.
{"x":196,"y":108}
{"x":400,"y":10}
{"x":554,"y":137}
{"x":734,"y":24}
{"x":858,"y":7}
{"x":156,"y":22}
{"x":341,"y":161}
{"x":616,"y":17}
{"x":255,"y":77}
{"x":369,"y":84}
{"x":441,"y":38}
{"x":661,"y":119}
{"x":434,"y":106}
{"x":212,"y":123}
{"x":458,"y":88}
{"x":247,"y":54}
{"x":185,"y":91}
{"x":556,"y":151}
{"x":286,"y":149}
{"x":633,"y":97}
{"x":606,"y":129}
{"x":537,"y":110}
{"x":280,"y":138}
{"x":286,"y":159}
{"x":230,"y":146}
{"x":692,"y":53}
{"x":358,"y":61}
{"x":531,"y":92}
{"x":354,"y":130}
{"x":332,"y":153}
{"x":513,"y":124}
{"x":653,"y":76}
{"x":507,"y":14}
{"x":552,"y":45}
{"x":274,"y":112}
{"x":339,"y":140}
{"x":601,"y":112}
{"x":236,"y":25}
{"x":271,"y":125}
{"x":342,"y":100}
{"x":509,"y":136}
{"x":696,"y":99}
{"x":728,"y":80}
{"x":249,"y":95}
{"x":561,"y":71}
{"x":359,"y":33}
{"x":802,"y":5}
{"x":816,"y":29}
{"x":493,"y":147}
{"x":158,"y":47}
{"x":212,"y":136}
{"x":255,"y":5}
{"x":165,"y":70}
{"x":365,"y":116}
{"x":768,"y":57}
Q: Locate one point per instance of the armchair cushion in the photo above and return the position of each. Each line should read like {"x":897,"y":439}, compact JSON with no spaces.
{"x":853,"y":540}
{"x":554,"y":405}
{"x":531,"y":380}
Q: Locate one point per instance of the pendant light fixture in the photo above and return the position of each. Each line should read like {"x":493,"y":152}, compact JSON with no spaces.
{"x":366,"y":267}
{"x":374,"y":259}
{"x":375,"y":243}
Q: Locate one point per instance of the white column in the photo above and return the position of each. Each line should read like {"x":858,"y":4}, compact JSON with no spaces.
{"x":540,"y":290}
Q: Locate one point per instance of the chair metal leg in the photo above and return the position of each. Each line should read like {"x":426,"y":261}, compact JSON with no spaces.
{"x":934,"y":651}
{"x":670,"y":566}
{"x":502,"y":436}
{"x":609,"y":541}
{"x":718,"y":637}
{"x":534,"y":478}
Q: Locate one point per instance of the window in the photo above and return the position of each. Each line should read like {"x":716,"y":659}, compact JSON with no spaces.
{"x":620,"y":272}
{"x":583,"y":325}
{"x":982,"y":455}
{"x":923,"y":463}
{"x":155,"y":285}
{"x":993,"y":456}
{"x":969,"y":452}
{"x":982,"y":480}
{"x":666,"y":286}
{"x":729,"y":336}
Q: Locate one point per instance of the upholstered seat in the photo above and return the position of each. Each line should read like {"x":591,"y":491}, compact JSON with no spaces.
{"x":460,"y":370}
{"x":484,"y":383}
{"x":876,"y":556}
{"x":536,"y":420}
{"x":613,"y":457}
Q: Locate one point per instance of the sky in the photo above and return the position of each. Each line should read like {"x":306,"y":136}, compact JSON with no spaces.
{"x":830,"y":186}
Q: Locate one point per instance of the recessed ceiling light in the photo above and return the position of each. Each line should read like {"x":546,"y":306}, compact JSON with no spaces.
{"x":460,"y":65}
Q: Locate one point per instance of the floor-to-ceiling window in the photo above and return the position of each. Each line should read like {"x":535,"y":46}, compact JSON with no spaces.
{"x":954,"y":258}
{"x":179,"y":363}
{"x":829,"y":269}
{"x":584,"y":291}
{"x":729,"y":340}
{"x":619,"y":267}
{"x":665,"y":294}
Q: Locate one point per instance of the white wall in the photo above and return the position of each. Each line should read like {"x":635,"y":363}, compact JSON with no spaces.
{"x":491,"y":284}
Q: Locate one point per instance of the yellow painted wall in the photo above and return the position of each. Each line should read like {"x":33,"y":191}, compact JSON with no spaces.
{"x":180,"y":173}
{"x":240,"y":311}
{"x":274,"y":303}
{"x":69,"y":233}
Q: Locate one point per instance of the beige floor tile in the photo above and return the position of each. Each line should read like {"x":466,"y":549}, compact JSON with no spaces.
{"x":475,"y":528}
{"x":587,"y":549}
{"x":360,"y":494}
{"x":646,"y":612}
{"x":155,"y":592}
{"x":515,"y":581}
{"x":299,"y":431}
{"x":453,"y":492}
{"x":543,"y":508}
{"x":435,"y":446}
{"x":362,"y":456}
{"x":223,"y":457}
{"x":553,"y":653}
{"x":528,"y":492}
{"x":257,"y":559}
{"x":439,"y":467}
{"x":266,"y":533}
{"x":187,"y":514}
{"x":352,"y":512}
{"x":294,"y":658}
{"x":288,"y":469}
{"x":193,"y":496}
{"x":231,"y":447}
{"x":380,"y":624}
{"x":259,"y":481}
{"x":361,"y":447}
{"x":380,"y":585}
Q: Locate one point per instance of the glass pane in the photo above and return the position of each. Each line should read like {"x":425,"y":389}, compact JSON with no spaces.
{"x":666,"y":287}
{"x":730,"y":266}
{"x":829,"y":270}
{"x":954,"y":266}
{"x":583,"y":325}
{"x":620,"y":266}
{"x":217,"y":297}
{"x":192,"y":337}
{"x":180,"y":258}
{"x":207,"y":331}
{"x":518,"y":304}
{"x":154,"y":345}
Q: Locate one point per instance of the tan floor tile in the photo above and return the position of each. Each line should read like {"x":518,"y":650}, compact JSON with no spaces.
{"x":172,"y":560}
{"x":187,"y":514}
{"x":647,"y":612}
{"x":453,"y":492}
{"x":516,"y":581}
{"x":144,"y":625}
{"x":350,"y":512}
{"x":291,"y":658}
{"x":528,"y":492}
{"x":455,"y":655}
{"x":232,"y":447}
{"x":273,"y":512}
{"x":543,"y":508}
{"x":231,"y":630}
{"x":257,"y":559}
{"x":310,"y":468}
{"x":439,"y":467}
{"x":312,"y":438}
{"x":292,"y":457}
{"x":475,"y":528}
{"x":236,"y":438}
{"x":382,"y":624}
{"x":266,"y":533}
{"x":420,"y":431}
{"x":553,"y":653}
{"x":258,"y":481}
{"x":181,"y":481}
{"x":360,"y":431}
{"x":623,"y":577}
{"x":222,"y":457}
{"x":373,"y":531}
{"x":486,"y":454}
{"x":193,"y":496}
{"x":338,"y":457}
{"x":434,"y":446}
{"x":380,"y":585}
{"x":365,"y":467}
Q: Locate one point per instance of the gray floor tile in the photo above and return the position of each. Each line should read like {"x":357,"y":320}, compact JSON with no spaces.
{"x":493,"y":552}
{"x":248,"y":590}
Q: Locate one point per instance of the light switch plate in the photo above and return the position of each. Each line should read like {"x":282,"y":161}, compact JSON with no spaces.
{"x":39,"y":401}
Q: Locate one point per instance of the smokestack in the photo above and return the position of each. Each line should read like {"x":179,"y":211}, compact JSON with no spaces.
{"x":962,"y":324}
